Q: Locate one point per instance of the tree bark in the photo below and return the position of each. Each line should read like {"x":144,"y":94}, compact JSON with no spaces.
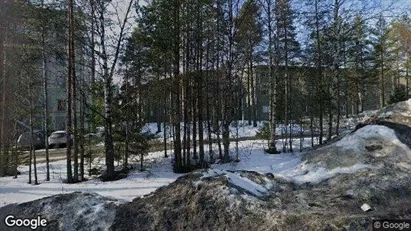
{"x":70,"y":78}
{"x":45,"y":100}
{"x":272,"y":145}
{"x":176,"y":90}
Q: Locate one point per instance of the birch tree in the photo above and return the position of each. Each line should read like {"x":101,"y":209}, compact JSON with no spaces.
{"x":109,"y":59}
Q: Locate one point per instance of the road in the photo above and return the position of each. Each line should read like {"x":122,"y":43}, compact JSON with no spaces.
{"x":155,"y":146}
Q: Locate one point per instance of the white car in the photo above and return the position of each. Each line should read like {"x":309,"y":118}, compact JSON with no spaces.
{"x":58,"y":139}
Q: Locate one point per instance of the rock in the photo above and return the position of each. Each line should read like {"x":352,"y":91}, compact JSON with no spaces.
{"x":366,"y":207}
{"x":277,"y":202}
{"x":349,"y":194}
{"x":270,"y":175}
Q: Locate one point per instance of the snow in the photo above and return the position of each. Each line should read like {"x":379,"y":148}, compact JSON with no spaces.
{"x":244,"y":130}
{"x":135,"y":185}
{"x":356,"y":140}
{"x":401,"y":108}
{"x":307,"y":173}
{"x":385,"y":114}
{"x":138,"y":183}
{"x":368,"y":113}
{"x":159,"y":171}
{"x":235,"y":179}
{"x":88,"y":209}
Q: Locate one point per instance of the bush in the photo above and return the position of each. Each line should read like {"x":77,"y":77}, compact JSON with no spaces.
{"x":400,"y":94}
{"x":94,"y":171}
{"x":264,"y":131}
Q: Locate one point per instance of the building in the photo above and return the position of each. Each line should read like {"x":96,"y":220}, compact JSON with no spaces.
{"x":356,"y":93}
{"x":21,"y":73}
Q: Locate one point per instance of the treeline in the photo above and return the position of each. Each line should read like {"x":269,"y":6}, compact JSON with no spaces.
{"x":200,"y":64}
{"x":69,"y":50}
{"x":322,"y":60}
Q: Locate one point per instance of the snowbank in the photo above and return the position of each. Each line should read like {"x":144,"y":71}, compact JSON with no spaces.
{"x":358,"y":139}
{"x":314,"y":174}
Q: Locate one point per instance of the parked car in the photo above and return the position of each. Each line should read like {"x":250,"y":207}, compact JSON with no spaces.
{"x":58,"y":139}
{"x":23,"y":141}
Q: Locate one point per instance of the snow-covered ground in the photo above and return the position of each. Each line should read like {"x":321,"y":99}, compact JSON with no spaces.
{"x":252,"y":158}
{"x":138,"y":183}
{"x":244,"y":130}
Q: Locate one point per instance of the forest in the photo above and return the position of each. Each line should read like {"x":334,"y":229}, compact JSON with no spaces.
{"x":195,"y":69}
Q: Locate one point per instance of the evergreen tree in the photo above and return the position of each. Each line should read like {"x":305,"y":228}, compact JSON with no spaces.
{"x":381,"y":57}
{"x":400,"y":40}
{"x":361,"y":82}
{"x":249,"y":36}
{"x":317,"y":22}
{"x":287,"y":50}
{"x":267,"y":20}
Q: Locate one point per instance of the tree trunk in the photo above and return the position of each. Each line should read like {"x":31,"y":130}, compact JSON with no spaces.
{"x":108,"y":96}
{"x":31,"y":132}
{"x":165,"y":124}
{"x":228,"y":104}
{"x":176,"y":99}
{"x":109,"y":145}
{"x":249,"y":96}
{"x":199,"y":72}
{"x":45,"y":101}
{"x":382,"y":78}
{"x":218,"y":106}
{"x":319,"y":71}
{"x":3,"y":105}
{"x":208,"y":114}
{"x":126,"y":151}
{"x":272,"y":145}
{"x":288,"y":90}
{"x":16,"y":153}
{"x":141,"y":162}
{"x":70,"y":78}
{"x":74,"y":120}
{"x":82,"y":127}
{"x":253,"y":94}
